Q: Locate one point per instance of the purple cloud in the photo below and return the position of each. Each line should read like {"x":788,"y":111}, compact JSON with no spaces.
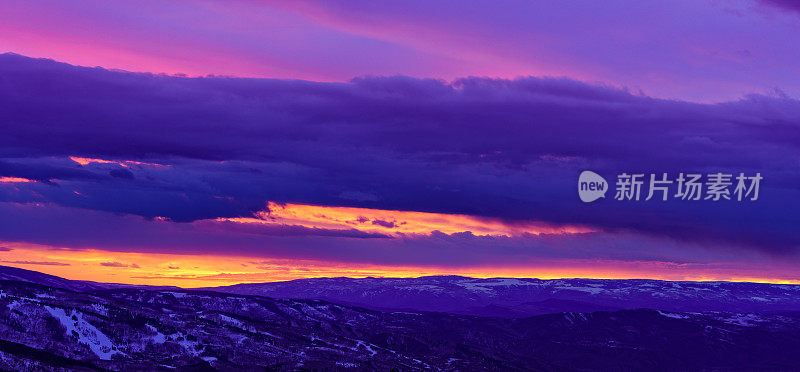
{"x":383,"y":223}
{"x":789,"y":5}
{"x":507,"y":149}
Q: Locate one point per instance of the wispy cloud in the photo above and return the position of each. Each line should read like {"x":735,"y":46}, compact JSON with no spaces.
{"x":119,"y":264}
{"x":45,"y":263}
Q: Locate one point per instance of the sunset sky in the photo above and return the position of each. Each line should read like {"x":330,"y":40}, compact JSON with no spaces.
{"x":201,"y":142}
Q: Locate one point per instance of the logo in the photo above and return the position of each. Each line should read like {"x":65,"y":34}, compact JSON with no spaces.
{"x":692,"y":187}
{"x":591,"y":186}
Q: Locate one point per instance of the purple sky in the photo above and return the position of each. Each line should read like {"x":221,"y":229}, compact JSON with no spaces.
{"x":707,"y":51}
{"x":387,"y":117}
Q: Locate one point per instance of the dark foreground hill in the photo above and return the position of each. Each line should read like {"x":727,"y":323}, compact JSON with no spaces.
{"x":49,"y":328}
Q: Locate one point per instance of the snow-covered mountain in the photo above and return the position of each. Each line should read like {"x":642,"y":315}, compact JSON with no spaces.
{"x":47,"y":328}
{"x":511,"y":297}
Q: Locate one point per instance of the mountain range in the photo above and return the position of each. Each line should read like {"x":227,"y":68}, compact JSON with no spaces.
{"x":51,"y":323}
{"x":512,"y":297}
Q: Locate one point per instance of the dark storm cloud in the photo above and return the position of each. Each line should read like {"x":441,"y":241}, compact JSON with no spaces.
{"x":42,"y":171}
{"x":789,"y":5}
{"x":121,"y":173}
{"x":508,"y":149}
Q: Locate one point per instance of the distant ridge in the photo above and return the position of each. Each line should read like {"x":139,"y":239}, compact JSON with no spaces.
{"x":30,"y":276}
{"x":519,"y":297}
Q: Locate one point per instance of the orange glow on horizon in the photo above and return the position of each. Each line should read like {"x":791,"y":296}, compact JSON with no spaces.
{"x":192,"y":271}
{"x":14,"y":180}
{"x":123,"y":163}
{"x":396,"y":223}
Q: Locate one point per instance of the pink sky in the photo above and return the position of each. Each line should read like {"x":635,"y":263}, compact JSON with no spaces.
{"x":694,"y":50}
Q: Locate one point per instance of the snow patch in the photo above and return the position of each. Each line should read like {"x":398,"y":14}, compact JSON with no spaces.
{"x":367,"y":346}
{"x":159,"y":337}
{"x":591,"y":290}
{"x":673,"y":315}
{"x":100,"y":309}
{"x":177,"y":294}
{"x":744,"y":320}
{"x":485,"y":286}
{"x":88,"y":335}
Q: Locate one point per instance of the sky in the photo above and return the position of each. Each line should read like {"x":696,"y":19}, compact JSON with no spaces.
{"x":200,"y":143}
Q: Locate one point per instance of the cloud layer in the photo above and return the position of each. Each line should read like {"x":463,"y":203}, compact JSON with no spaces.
{"x":174,"y":154}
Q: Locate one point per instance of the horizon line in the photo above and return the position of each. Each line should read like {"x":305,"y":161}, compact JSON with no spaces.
{"x":743,"y":281}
